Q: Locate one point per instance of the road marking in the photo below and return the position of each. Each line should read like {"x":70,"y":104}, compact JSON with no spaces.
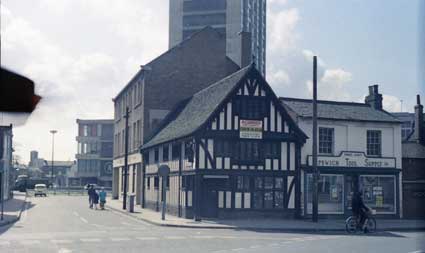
{"x":120,"y":239}
{"x":63,"y":250}
{"x":203,"y":237}
{"x":255,"y":247}
{"x":238,"y":249}
{"x":174,"y":237}
{"x":274,"y":245}
{"x":90,"y":240}
{"x":76,"y":214}
{"x":30,"y":242}
{"x":147,"y":238}
{"x":60,"y":241}
{"x":83,"y":220}
{"x":4,"y":243}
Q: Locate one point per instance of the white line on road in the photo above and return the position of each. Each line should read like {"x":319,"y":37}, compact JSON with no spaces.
{"x":174,"y":237}
{"x":63,"y":250}
{"x":238,"y":249}
{"x":203,"y":237}
{"x":76,"y":214}
{"x":83,"y":220}
{"x":254,"y":246}
{"x":120,"y":239}
{"x":90,"y":240}
{"x":60,"y":241}
{"x":30,"y":242}
{"x":147,"y":238}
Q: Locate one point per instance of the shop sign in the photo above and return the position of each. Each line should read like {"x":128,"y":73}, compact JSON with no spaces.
{"x":250,"y":129}
{"x":353,"y":159}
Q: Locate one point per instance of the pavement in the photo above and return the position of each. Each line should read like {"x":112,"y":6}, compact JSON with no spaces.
{"x":282,"y":225}
{"x":65,"y":224}
{"x":13,"y":208}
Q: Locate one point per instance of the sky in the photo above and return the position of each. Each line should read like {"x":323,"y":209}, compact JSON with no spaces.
{"x":80,"y":53}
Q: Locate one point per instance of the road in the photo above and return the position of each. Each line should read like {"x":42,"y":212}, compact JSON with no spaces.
{"x":65,"y":224}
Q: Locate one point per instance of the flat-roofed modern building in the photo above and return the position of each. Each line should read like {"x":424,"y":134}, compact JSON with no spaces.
{"x":94,"y":154}
{"x":243,"y":22}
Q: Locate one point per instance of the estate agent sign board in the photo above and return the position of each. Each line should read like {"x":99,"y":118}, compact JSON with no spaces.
{"x":353,"y":159}
{"x":251,"y":129}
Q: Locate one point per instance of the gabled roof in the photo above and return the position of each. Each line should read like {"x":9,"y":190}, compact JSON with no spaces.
{"x":192,"y":113}
{"x":208,"y":30}
{"x":334,"y":110}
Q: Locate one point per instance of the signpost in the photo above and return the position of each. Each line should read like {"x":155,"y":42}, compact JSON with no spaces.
{"x":163,"y":172}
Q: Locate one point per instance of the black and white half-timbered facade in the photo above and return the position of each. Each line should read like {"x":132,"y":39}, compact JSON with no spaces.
{"x":233,"y":150}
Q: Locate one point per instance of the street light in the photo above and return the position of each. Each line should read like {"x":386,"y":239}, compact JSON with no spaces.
{"x":53,"y":151}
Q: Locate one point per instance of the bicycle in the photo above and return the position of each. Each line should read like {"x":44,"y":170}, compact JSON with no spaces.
{"x":351,"y":223}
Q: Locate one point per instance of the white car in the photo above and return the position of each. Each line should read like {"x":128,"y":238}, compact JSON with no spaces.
{"x":40,"y":190}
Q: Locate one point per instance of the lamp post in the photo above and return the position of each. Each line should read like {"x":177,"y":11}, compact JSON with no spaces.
{"x":315,"y":209}
{"x":53,"y":151}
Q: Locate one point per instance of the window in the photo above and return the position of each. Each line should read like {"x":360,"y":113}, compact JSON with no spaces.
{"x":379,"y":193}
{"x":165,"y":153}
{"x":176,"y":152}
{"x":272,"y":150}
{"x":406,"y":129}
{"x":330,"y":190}
{"x":269,"y":192}
{"x":248,"y":152}
{"x":374,"y":142}
{"x":250,"y":108}
{"x":156,"y":182}
{"x":188,"y":151}
{"x":242,"y":183}
{"x":148,"y":183}
{"x":167,"y":182}
{"x":223,"y":148}
{"x":326,"y":140}
{"x":156,"y":155}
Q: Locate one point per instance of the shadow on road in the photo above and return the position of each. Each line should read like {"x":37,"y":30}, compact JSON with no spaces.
{"x":12,"y":210}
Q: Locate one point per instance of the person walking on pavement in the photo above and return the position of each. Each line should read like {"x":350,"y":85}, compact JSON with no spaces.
{"x":102,"y":198}
{"x":91,"y":191}
{"x":95,"y":199}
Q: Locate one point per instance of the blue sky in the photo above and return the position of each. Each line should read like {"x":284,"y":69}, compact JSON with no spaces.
{"x":377,"y":41}
{"x":81,"y":53}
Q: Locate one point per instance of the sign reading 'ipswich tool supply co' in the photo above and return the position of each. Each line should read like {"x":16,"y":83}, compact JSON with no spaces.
{"x":354,"y":159}
{"x":250,"y":129}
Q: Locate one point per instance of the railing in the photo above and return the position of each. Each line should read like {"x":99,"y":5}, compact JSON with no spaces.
{"x":70,"y":191}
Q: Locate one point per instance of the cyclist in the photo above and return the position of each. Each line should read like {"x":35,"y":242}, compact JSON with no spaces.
{"x":360,"y":210}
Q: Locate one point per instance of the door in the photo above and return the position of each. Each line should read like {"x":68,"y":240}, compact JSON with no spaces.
{"x":351,"y":186}
{"x":209,"y":201}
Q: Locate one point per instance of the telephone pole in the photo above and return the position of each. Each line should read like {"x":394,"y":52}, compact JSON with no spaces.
{"x":124,"y":202}
{"x":315,"y":208}
{"x":53,"y":152}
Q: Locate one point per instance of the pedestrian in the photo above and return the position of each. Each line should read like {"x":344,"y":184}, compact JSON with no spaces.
{"x":91,"y":192}
{"x":95,"y":199}
{"x":102,"y":198}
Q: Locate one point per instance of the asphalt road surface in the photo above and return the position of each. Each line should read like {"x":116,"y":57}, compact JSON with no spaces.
{"x":66,"y":224}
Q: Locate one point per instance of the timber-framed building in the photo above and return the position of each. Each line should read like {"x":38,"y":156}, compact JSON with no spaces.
{"x":233,"y":150}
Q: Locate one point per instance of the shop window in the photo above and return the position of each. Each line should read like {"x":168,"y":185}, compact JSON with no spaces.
{"x":331,"y":192}
{"x":326,"y":140}
{"x":373,"y":142}
{"x":165,"y":153}
{"x":379,"y":193}
{"x":268,"y":192}
{"x":148,"y":183}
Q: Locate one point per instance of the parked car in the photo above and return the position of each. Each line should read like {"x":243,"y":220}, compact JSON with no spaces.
{"x":40,"y":190}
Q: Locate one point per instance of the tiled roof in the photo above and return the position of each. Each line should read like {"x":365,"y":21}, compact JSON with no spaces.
{"x":192,"y":113}
{"x":337,"y":110}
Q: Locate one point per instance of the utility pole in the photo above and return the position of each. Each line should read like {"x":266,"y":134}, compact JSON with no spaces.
{"x":124,"y":202}
{"x":53,"y":152}
{"x":315,"y":208}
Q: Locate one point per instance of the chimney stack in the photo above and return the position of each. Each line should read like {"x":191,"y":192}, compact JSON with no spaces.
{"x":374,"y":99}
{"x":419,"y":121}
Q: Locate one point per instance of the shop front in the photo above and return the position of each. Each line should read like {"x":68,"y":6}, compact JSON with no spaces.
{"x":340,"y":176}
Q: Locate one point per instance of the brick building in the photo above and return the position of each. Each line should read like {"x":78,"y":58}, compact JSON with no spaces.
{"x":413,"y":148}
{"x":157,"y":87}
